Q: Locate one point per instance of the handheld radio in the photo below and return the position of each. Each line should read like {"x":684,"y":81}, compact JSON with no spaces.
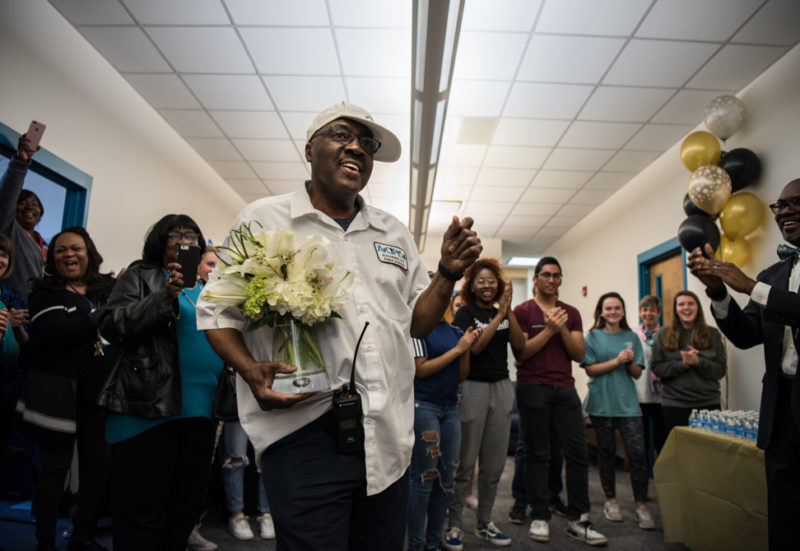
{"x":347,"y":411}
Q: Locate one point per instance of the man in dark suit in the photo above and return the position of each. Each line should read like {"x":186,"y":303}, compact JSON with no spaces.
{"x":771,"y":318}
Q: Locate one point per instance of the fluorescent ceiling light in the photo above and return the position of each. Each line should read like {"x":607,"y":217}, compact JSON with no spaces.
{"x":523,"y":261}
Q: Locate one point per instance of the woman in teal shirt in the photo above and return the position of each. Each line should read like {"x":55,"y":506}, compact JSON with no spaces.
{"x":614,"y":358}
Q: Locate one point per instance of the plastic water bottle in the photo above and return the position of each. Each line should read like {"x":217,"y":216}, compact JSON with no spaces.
{"x":693,"y":422}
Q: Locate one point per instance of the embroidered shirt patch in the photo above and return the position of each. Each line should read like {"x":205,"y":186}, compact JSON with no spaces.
{"x":390,"y":254}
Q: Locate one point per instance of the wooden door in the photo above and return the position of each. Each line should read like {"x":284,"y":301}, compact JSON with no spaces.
{"x":666,"y":279}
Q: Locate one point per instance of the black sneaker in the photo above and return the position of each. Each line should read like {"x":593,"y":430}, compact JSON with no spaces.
{"x":557,"y":506}
{"x":517,"y":514}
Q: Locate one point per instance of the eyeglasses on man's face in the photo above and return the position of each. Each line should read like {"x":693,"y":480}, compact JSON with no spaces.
{"x":188,"y":236}
{"x":781,"y":204}
{"x":343,"y":135}
{"x":548,"y":275}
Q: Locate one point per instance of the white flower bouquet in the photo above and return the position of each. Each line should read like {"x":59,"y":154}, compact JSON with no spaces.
{"x":286,"y":285}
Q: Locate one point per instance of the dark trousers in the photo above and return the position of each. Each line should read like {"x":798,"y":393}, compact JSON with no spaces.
{"x":782,"y":464}
{"x":554,"y":467}
{"x":540,"y":407}
{"x":318,"y":496}
{"x":160,"y":481}
{"x":94,"y":464}
{"x":675,"y":416}
{"x":653,"y":424}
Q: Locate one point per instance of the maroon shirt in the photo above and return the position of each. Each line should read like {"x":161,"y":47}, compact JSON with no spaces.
{"x":551,"y":365}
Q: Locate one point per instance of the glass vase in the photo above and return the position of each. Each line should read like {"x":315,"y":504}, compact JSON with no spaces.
{"x":295,"y":344}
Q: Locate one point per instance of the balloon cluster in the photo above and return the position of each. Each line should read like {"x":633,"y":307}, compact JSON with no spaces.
{"x":717,"y":174}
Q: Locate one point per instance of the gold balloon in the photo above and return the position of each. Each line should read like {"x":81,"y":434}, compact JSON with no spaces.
{"x":741,"y":215}
{"x":737,"y":252}
{"x":710,"y":188}
{"x":700,"y":149}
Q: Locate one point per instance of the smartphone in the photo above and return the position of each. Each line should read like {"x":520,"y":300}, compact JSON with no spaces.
{"x":34,"y":133}
{"x":189,"y":258}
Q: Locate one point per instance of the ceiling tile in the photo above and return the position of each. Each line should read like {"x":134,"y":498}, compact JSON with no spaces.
{"x":191,"y":123}
{"x":775,"y":23}
{"x":687,"y":107}
{"x":488,"y":207}
{"x":735,"y":66}
{"x":381,"y":95}
{"x":163,"y":91}
{"x":303,"y":51}
{"x":454,"y":154}
{"x":577,"y":159}
{"x":579,"y":59}
{"x":396,"y":206}
{"x":127,"y":48}
{"x":178,"y":12}
{"x":541,"y":210}
{"x":312,"y":94}
{"x":280,"y":171}
{"x":202,"y":49}
{"x":248,"y":186}
{"x":562,"y":222}
{"x":92,"y":12}
{"x":489,"y":193}
{"x":709,"y":20}
{"x":500,"y":15}
{"x":391,"y":173}
{"x":549,"y":199}
{"x":609,"y":180}
{"x":619,"y":103}
{"x":488,"y":55}
{"x":476,"y":98}
{"x":561,"y":179}
{"x":506,"y":156}
{"x":607,"y":18}
{"x":305,"y":13}
{"x":529,"y":132}
{"x":594,"y":134}
{"x":676,"y":62}
{"x":524,"y":218}
{"x":504,"y":176}
{"x":279,"y":187}
{"x":298,"y":123}
{"x":239,"y":92}
{"x":591,"y":196}
{"x":658,"y":137}
{"x":250,"y":124}
{"x":215,"y":149}
{"x":550,"y":232}
{"x":268,"y":150}
{"x":632,"y":161}
{"x":575,"y":210}
{"x":232,"y":169}
{"x":388,"y":53}
{"x":371,"y":13}
{"x":456,"y":176}
{"x":546,"y":101}
{"x":451,"y":192}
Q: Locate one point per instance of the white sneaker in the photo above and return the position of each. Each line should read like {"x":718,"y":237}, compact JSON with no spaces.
{"x":239,"y":527}
{"x":539,"y":530}
{"x":611,"y":511}
{"x":644,"y":518}
{"x":582,"y":530}
{"x":196,"y":542}
{"x":266,"y":526}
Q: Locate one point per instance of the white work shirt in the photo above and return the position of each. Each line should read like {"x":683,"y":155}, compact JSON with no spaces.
{"x":386,"y":284}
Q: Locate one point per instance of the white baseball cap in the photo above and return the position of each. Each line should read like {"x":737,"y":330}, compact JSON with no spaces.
{"x":390,"y":148}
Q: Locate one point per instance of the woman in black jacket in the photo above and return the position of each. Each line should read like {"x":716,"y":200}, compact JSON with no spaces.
{"x":67,"y":370}
{"x":160,"y":392}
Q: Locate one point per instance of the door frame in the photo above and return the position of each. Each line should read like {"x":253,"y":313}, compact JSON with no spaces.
{"x":650,"y":257}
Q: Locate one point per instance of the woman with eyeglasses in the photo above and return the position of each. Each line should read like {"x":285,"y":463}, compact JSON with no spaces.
{"x":487,"y":395}
{"x":690,"y":358}
{"x":160,"y":392}
{"x":67,"y":368}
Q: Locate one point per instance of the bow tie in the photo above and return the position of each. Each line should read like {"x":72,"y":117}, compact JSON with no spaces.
{"x":785,"y":252}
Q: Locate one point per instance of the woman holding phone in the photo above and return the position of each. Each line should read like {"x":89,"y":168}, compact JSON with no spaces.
{"x":160,"y":391}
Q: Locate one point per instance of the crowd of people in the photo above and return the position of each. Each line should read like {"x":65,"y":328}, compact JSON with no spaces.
{"x":128,"y":366}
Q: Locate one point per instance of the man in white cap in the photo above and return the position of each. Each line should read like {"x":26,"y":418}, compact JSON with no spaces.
{"x":321,"y":498}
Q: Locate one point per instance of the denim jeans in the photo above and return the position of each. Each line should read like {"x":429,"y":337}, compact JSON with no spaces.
{"x":437,"y":441}
{"x":235,"y":443}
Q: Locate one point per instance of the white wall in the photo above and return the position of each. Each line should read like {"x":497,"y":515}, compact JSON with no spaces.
{"x":95,"y":121}
{"x":601,"y":250}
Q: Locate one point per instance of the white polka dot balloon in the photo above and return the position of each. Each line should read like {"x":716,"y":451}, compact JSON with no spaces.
{"x":710,"y":188}
{"x":725,"y":115}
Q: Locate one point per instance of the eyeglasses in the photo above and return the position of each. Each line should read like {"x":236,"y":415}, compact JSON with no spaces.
{"x":784,"y":203}
{"x":344,"y":135}
{"x":486,"y":281}
{"x":548,"y":275}
{"x":189,"y":236}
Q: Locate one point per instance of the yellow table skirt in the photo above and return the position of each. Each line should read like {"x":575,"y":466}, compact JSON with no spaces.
{"x":712,"y":491}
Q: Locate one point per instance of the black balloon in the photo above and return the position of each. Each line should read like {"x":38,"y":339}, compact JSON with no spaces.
{"x":696,"y":231}
{"x":742,"y":165}
{"x":690,"y":208}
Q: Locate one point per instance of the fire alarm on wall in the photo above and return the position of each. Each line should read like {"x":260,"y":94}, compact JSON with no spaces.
{"x":583,"y":290}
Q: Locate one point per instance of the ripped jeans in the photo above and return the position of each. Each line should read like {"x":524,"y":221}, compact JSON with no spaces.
{"x":437,"y":441}
{"x":234,"y":441}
